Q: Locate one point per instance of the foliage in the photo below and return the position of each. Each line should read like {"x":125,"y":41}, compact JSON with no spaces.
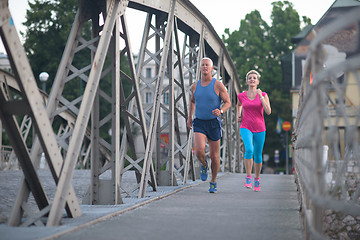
{"x":256,"y":45}
{"x":48,"y":24}
{"x":248,"y":45}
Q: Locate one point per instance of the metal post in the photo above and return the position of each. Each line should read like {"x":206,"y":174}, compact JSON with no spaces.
{"x":287,"y":152}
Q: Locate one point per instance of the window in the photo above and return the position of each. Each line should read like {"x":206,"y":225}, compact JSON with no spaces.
{"x":148,"y":73}
{"x":165,"y":117}
{"x":166,"y":98}
{"x":148,"y":97}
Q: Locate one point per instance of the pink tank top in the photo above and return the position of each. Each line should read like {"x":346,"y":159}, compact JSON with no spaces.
{"x":253,"y":113}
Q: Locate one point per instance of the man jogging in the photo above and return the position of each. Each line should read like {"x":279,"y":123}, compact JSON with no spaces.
{"x":206,"y":97}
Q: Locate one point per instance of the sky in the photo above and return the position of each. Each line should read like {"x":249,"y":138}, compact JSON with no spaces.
{"x":228,"y":14}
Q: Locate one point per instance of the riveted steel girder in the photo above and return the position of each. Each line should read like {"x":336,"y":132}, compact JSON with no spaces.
{"x":155,"y":143}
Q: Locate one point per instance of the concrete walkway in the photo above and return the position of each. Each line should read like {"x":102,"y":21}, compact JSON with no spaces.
{"x":193,"y":213}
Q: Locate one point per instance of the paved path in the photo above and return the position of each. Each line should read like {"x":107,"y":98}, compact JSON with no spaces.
{"x":192,"y":213}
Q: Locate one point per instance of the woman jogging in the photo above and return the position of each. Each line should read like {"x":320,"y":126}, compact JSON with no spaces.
{"x":251,"y":106}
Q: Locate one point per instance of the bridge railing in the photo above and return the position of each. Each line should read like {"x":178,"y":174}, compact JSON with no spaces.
{"x":326,"y":136}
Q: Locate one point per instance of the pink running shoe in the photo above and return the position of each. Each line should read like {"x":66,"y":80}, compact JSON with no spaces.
{"x":248,"y":182}
{"x":257,"y":185}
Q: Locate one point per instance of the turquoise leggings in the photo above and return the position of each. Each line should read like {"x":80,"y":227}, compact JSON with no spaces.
{"x":254,"y":144}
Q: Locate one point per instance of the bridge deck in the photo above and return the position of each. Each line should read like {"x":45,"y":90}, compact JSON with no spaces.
{"x":192,"y":213}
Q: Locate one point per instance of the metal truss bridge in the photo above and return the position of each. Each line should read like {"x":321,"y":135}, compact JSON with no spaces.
{"x":68,"y":129}
{"x":145,"y":128}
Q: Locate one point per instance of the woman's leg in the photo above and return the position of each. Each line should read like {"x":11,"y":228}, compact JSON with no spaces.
{"x":257,"y":167}
{"x":247,"y":138}
{"x":259,"y":140}
{"x":248,"y":166}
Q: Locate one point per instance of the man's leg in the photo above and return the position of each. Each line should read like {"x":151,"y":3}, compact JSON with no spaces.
{"x":214,"y":147}
{"x":199,"y":144}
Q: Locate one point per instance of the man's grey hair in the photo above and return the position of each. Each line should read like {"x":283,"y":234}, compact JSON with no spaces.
{"x":206,"y":58}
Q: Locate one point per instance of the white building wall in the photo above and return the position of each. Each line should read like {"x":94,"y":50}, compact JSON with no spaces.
{"x":147,"y":97}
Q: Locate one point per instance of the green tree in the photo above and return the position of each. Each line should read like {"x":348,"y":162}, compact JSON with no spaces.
{"x":285,"y":24}
{"x":48,"y":24}
{"x":248,"y":46}
{"x":259,"y":46}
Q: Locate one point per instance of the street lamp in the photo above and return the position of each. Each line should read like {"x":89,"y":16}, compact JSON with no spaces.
{"x":43,"y":78}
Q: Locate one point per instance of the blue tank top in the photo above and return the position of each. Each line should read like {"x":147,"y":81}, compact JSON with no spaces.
{"x":206,"y":100}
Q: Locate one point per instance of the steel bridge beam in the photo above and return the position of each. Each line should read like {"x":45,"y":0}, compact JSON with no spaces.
{"x":176,"y":62}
